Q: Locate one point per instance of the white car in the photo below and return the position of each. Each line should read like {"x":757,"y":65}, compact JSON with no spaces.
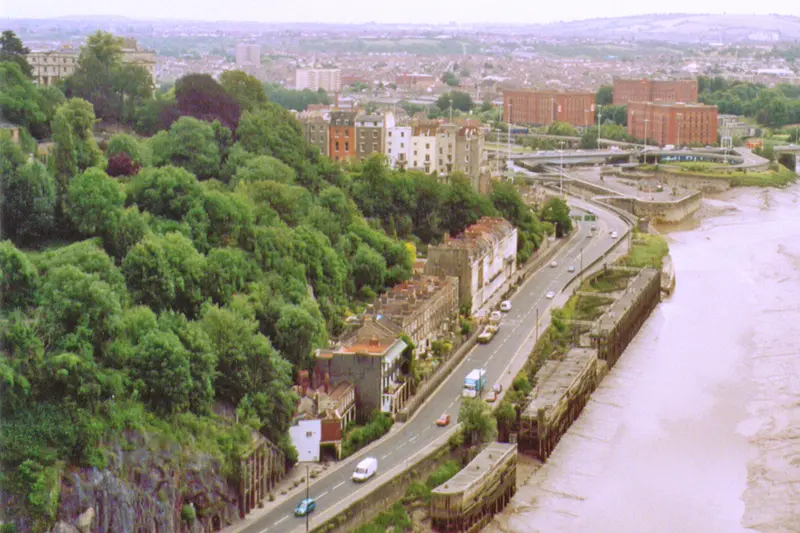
{"x":505,"y":306}
{"x":571,"y":268}
{"x":553,"y":264}
{"x":614,"y":235}
{"x":550,"y":295}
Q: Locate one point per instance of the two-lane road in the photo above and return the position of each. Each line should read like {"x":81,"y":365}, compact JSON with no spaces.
{"x":515,"y":334}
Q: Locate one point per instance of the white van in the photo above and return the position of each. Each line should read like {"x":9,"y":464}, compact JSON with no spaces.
{"x":365,"y":469}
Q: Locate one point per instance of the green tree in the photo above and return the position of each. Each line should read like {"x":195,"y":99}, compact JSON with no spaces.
{"x":92,"y":200}
{"x":190,"y":144}
{"x":162,"y":372}
{"x":264,"y":167}
{"x":449,"y":78}
{"x":18,"y":278}
{"x":463,"y":205}
{"x":369,"y":268}
{"x":605,"y":95}
{"x":76,"y":148}
{"x":460,"y":101}
{"x":556,"y":211}
{"x":27,"y":203}
{"x":298,"y":333}
{"x":477,"y":422}
{"x":247,"y":90}
{"x":562,"y":128}
{"x":169,"y":192}
{"x":127,"y":144}
{"x":20,"y":101}
{"x":12,"y":49}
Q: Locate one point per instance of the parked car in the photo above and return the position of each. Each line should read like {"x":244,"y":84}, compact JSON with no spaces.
{"x":491,"y":396}
{"x":614,"y":235}
{"x":443,"y":420}
{"x":588,"y":235}
{"x":487,"y":334}
{"x":553,"y":264}
{"x":505,"y":306}
{"x":550,"y":295}
{"x":306,"y":506}
{"x":571,"y":268}
{"x":365,"y":469}
{"x":498,"y":388}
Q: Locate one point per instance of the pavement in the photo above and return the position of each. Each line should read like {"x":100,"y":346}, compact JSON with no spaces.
{"x":501,"y":358}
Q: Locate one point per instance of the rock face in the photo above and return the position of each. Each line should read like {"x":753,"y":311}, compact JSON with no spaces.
{"x":144,"y":491}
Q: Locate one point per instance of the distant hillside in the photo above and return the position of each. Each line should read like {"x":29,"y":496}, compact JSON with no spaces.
{"x":680,"y":28}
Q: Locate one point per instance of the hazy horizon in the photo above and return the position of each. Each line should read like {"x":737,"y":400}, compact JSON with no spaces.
{"x":363,"y":11}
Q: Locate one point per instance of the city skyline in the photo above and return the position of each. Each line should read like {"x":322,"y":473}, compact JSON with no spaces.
{"x":362,"y":11}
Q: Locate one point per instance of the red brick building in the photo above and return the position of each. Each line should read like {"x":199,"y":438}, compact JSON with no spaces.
{"x":342,"y":136}
{"x":678,"y":124}
{"x":524,"y":106}
{"x":654,"y":91}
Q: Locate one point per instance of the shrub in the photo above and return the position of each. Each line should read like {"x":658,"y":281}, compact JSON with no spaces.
{"x":188,"y":513}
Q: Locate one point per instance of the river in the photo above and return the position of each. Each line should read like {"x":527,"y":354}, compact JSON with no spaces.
{"x":697,"y":428}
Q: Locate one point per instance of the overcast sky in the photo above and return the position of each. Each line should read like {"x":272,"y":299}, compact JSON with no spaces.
{"x":397,"y":11}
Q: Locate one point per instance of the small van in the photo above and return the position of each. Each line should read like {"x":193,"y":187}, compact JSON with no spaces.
{"x":365,"y":469}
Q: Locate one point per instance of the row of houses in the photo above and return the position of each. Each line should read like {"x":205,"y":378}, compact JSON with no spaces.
{"x":432,"y":146}
{"x":365,"y":369}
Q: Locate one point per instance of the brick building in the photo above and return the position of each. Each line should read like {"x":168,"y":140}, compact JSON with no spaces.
{"x":645,"y":90}
{"x":525,"y":106}
{"x":483,"y":257}
{"x":370,"y":133}
{"x":414,"y":80}
{"x":423,"y":307}
{"x":678,"y":124}
{"x":342,"y":136}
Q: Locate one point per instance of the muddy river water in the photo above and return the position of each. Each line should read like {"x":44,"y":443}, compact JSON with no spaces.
{"x":697,"y":428}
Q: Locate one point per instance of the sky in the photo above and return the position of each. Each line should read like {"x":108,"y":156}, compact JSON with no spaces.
{"x":382,"y":11}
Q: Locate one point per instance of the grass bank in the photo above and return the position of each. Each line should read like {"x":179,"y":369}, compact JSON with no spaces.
{"x":776,"y":176}
{"x":647,"y":251}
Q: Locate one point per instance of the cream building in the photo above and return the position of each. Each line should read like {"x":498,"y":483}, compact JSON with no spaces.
{"x":398,"y":143}
{"x":52,"y":65}
{"x":423,"y":147}
{"x":327,"y":79}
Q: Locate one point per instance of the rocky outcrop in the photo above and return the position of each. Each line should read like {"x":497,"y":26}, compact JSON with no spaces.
{"x":143,"y":490}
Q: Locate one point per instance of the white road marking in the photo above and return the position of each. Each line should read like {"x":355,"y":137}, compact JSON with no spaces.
{"x":281,"y":520}
{"x":337,"y":486}
{"x":412,"y":439}
{"x":323,"y":494}
{"x":388,"y":454}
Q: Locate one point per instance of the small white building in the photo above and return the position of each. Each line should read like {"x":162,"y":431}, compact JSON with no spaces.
{"x":423,"y":148}
{"x":306,"y":436}
{"x":398,"y":143}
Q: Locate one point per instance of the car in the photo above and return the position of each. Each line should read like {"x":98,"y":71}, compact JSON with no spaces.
{"x":553,"y":264}
{"x":614,"y":235}
{"x":571,"y":268}
{"x":365,"y":469}
{"x":495,"y":317}
{"x":443,"y":420}
{"x":306,"y":506}
{"x":594,"y":227}
{"x":505,"y":306}
{"x":550,"y":295}
{"x":498,"y":388}
{"x":491,"y":396}
{"x":588,"y":235}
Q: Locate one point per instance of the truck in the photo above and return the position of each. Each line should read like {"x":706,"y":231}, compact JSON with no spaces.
{"x":474,"y":383}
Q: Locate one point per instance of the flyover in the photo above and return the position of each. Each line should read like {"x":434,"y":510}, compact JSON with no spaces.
{"x":510,"y":345}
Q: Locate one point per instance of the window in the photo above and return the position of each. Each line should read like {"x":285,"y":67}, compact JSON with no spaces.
{"x":347,"y":133}
{"x":402,"y":134}
{"x":346,"y":146}
{"x":337,"y":146}
{"x":389,"y":133}
{"x":415,"y":152}
{"x":402,"y":145}
{"x":361,"y":147}
{"x":427,"y":146}
{"x":374,"y":147}
{"x":362,"y":133}
{"x":374,"y":134}
{"x":389,"y":151}
{"x":427,"y":157}
{"x":309,"y":433}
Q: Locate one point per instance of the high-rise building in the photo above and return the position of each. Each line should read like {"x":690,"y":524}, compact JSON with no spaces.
{"x":248,"y":55}
{"x":677,"y":124}
{"x":645,"y":90}
{"x":327,"y":79}
{"x":525,"y":106}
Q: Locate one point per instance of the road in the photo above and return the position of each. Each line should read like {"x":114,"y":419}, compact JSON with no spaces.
{"x":517,"y":326}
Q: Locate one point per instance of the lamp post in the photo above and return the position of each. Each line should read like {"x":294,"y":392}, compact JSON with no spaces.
{"x":307,"y":483}
{"x":599,"y":125}
{"x":561,"y":177}
{"x":508,"y":125}
{"x":679,"y":116}
{"x":645,"y":139}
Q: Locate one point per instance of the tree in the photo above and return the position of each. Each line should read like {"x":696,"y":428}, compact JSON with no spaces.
{"x":190,"y":144}
{"x":121,"y":165}
{"x":449,"y":78}
{"x":201,"y":97}
{"x":19,"y":99}
{"x":92,"y":200}
{"x":460,"y":101}
{"x":162,"y":372}
{"x":12,"y":49}
{"x":562,"y":129}
{"x":369,"y":268}
{"x":246,"y":90}
{"x":298,"y":333}
{"x":556,"y":211}
{"x":605,"y":95}
{"x":463,"y":205}
{"x":264,"y":168}
{"x":76,"y":148}
{"x":114,"y":87}
{"x":169,"y":192}
{"x":18,"y":278}
{"x":122,"y":143}
{"x":28,"y":203}
{"x":478,"y":424}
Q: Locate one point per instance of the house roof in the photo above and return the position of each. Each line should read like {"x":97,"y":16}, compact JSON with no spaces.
{"x":485,"y":233}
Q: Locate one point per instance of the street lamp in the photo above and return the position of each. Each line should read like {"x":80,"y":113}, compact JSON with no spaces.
{"x":307,"y":483}
{"x":561,"y":178}
{"x":508,"y":125}
{"x":679,"y":115}
{"x":645,"y":139}
{"x":599,"y":125}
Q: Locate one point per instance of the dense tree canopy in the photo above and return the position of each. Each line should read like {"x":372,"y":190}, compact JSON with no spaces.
{"x":12,"y":49}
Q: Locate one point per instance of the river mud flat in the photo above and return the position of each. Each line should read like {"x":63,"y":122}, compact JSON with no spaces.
{"x":697,"y":427}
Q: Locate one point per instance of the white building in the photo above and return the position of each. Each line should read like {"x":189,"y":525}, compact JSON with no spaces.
{"x":306,"y":436}
{"x":248,"y":55}
{"x":398,"y":142}
{"x":423,"y":148}
{"x":327,"y":79}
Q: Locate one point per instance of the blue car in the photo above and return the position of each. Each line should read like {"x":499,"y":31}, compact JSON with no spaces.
{"x":305,"y":507}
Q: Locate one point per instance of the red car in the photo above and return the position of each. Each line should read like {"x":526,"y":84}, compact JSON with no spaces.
{"x":491,"y":397}
{"x":443,"y":420}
